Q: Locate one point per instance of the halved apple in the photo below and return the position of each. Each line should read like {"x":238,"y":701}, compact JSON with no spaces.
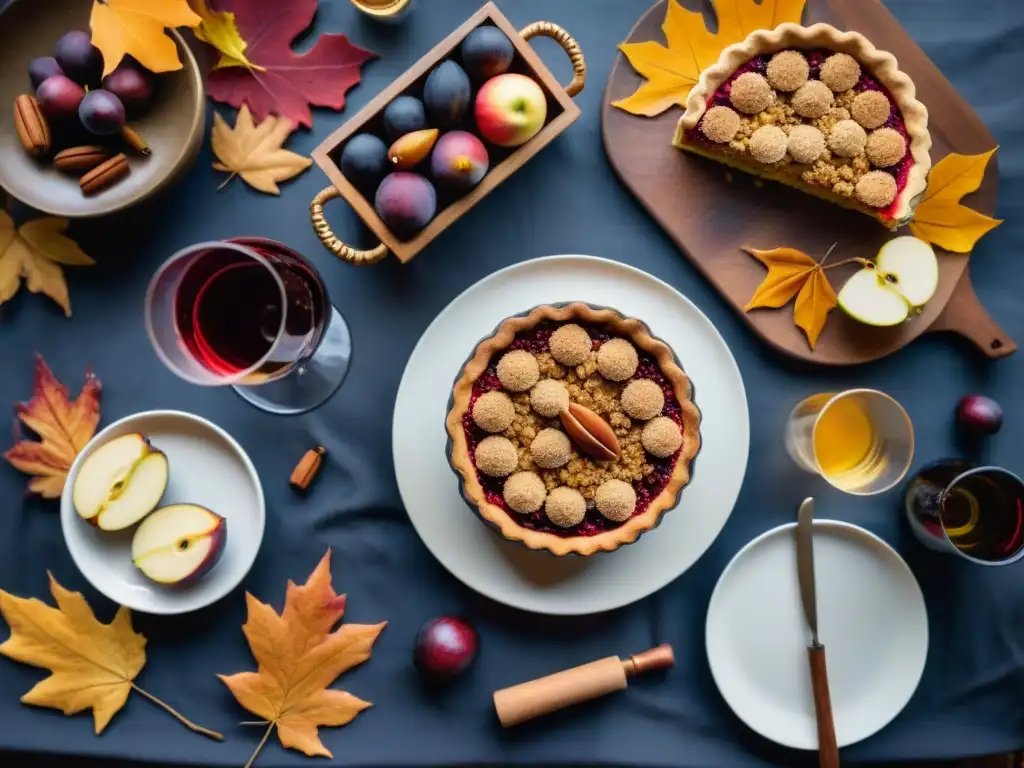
{"x":903,"y":278}
{"x":179,"y":543}
{"x":120,"y":482}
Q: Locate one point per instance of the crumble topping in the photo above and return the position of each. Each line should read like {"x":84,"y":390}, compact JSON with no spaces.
{"x":642,"y":399}
{"x":661,"y":436}
{"x":496,"y":456}
{"x":751,"y":93}
{"x":518,"y":370}
{"x":615,"y":500}
{"x":493,"y":412}
{"x":617,"y":360}
{"x":847,"y":138}
{"x":885,"y":147}
{"x":806,"y":143}
{"x":876,"y":188}
{"x":551,"y":448}
{"x":720,"y":124}
{"x":565,"y":507}
{"x":840,"y":72}
{"x":870,"y":108}
{"x":768,"y":144}
{"x":524,"y":492}
{"x":787,"y":71}
{"x":812,"y":99}
{"x":549,"y":398}
{"x":570,"y":344}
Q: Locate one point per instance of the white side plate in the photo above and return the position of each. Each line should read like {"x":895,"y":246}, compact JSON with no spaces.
{"x":207,"y":467}
{"x":871,"y":619}
{"x":537,"y":581}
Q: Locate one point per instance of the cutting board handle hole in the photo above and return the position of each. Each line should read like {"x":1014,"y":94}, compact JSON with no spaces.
{"x":996,"y":344}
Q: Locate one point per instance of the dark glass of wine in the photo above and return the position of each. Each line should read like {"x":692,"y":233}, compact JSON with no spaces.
{"x":976,"y":512}
{"x":251,"y":313}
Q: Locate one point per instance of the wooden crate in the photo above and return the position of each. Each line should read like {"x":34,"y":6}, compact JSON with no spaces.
{"x":562,"y":112}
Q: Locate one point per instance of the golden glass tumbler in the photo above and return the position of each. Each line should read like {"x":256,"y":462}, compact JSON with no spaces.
{"x":861,"y":440}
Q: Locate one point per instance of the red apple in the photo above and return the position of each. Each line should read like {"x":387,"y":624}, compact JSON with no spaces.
{"x":179,"y":543}
{"x":510,"y":110}
{"x":445,"y":647}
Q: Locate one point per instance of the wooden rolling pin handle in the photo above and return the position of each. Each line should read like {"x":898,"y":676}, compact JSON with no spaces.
{"x":538,"y":697}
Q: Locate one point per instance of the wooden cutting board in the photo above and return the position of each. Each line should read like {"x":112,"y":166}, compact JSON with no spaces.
{"x":711,"y":212}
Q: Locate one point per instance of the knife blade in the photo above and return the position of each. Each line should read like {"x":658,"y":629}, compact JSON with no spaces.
{"x":805,"y":566}
{"x":828,"y":751}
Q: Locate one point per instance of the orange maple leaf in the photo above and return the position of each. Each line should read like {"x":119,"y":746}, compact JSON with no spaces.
{"x":136,"y":27}
{"x":672,"y":70}
{"x":940,"y":218}
{"x":64,"y":427}
{"x":794,"y":273}
{"x":298,"y":657}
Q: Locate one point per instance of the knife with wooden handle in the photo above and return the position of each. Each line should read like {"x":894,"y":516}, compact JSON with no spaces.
{"x":828,"y":752}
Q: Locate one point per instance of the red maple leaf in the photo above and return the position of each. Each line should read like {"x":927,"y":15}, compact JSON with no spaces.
{"x":288,"y":82}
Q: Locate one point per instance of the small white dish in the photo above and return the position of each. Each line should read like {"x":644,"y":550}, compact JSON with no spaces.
{"x":537,"y":581}
{"x":871,"y":619}
{"x":207,"y":467}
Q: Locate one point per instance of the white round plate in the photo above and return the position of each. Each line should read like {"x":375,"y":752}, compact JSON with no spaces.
{"x":207,"y":467}
{"x":537,"y":581}
{"x":871,"y":620}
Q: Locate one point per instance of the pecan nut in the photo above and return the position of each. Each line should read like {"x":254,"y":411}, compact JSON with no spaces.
{"x":105,"y":175}
{"x":80,"y":159}
{"x":590,"y":432}
{"x":31,"y":126}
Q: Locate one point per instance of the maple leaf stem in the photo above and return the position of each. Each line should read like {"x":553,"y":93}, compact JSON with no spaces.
{"x":828,"y":253}
{"x":858,"y":259}
{"x":184,"y":720}
{"x":225,"y":182}
{"x":259,"y":747}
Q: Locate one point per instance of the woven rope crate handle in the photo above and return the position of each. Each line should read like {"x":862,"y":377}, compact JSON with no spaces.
{"x":569,"y":44}
{"x":362,"y":258}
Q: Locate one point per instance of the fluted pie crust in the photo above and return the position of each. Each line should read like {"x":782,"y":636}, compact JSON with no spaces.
{"x":504,"y":521}
{"x":880,"y":64}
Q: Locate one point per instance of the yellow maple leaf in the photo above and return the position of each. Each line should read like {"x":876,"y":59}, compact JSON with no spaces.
{"x":34,"y":251}
{"x":63,"y":426}
{"x":794,"y":273}
{"x":93,"y":665}
{"x":218,"y":28}
{"x":254,"y":151}
{"x":673,"y":69}
{"x":136,"y":27}
{"x":298,"y":656}
{"x":940,"y":218}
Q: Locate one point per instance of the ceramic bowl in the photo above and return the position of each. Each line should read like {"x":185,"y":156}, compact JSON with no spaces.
{"x":173,"y":126}
{"x":207,"y":467}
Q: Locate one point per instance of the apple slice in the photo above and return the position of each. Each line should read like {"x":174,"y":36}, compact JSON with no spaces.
{"x":179,"y":543}
{"x":120,"y":482}
{"x":867,"y":298}
{"x":910,"y":267}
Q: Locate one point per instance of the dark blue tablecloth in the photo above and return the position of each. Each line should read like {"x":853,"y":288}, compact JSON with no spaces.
{"x":566,"y":201}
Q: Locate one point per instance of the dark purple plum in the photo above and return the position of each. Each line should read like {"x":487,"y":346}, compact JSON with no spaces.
{"x":446,"y":94}
{"x":79,"y":58}
{"x":101,"y":112}
{"x":979,"y":415}
{"x":487,"y":52}
{"x":364,"y":161}
{"x":406,"y":202}
{"x":59,"y":97}
{"x":42,"y":69}
{"x":131,"y":85}
{"x":459,"y":161}
{"x":402,"y":116}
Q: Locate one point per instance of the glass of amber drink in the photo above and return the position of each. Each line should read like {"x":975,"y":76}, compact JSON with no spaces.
{"x":861,"y":440}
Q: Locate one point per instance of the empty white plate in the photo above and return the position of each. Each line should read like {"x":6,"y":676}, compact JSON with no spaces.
{"x":207,"y":467}
{"x":537,"y":581}
{"x":871,"y":619}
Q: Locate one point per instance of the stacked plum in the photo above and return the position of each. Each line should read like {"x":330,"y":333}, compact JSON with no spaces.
{"x":437,"y":139}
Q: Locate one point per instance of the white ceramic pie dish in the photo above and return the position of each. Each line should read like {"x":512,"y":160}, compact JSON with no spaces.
{"x":207,"y":467}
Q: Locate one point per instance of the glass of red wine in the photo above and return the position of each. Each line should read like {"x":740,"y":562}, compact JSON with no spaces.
{"x":975,"y":512}
{"x":253,"y":314}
